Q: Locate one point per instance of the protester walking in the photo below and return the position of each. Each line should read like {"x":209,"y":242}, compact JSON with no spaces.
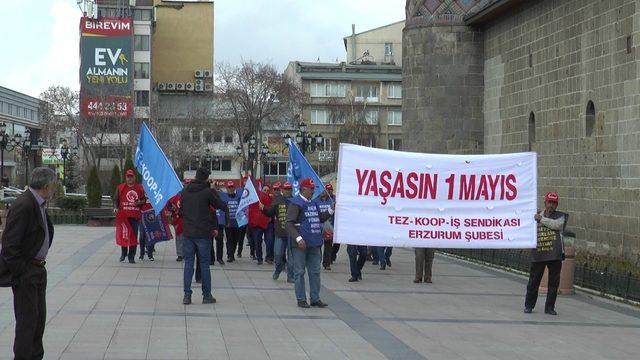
{"x":324,"y":202}
{"x":304,"y":226}
{"x":221,"y":216}
{"x":233,"y":230}
{"x":149,"y":249}
{"x":259,"y":223}
{"x":27,"y":237}
{"x":127,"y":199}
{"x":269,"y":234}
{"x":548,"y":253}
{"x":424,"y":264}
{"x":384,"y":256}
{"x":278,"y":210}
{"x":199,"y":226}
{"x":357,"y":258}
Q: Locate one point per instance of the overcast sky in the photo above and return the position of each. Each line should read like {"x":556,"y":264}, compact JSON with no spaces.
{"x":40,"y":37}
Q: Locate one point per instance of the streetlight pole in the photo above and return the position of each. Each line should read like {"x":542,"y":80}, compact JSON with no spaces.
{"x":8,"y":144}
{"x":305,"y":139}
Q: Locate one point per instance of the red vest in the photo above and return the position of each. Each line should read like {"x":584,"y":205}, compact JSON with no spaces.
{"x":128,"y":195}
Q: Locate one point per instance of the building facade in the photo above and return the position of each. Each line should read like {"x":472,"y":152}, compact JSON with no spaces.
{"x":382,"y":45}
{"x":560,"y":78}
{"x":20,"y":114}
{"x":349,"y":103}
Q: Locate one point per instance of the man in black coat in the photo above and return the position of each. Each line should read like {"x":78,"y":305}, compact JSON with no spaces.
{"x":25,"y":244}
{"x":200,"y":225}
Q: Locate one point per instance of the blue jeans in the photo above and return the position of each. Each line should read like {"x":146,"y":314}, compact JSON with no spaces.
{"x":357,"y":258}
{"x":383,"y":254}
{"x":203,"y":246}
{"x":256,"y":239}
{"x":269,"y":240}
{"x":280,"y":247}
{"x":309,"y":258}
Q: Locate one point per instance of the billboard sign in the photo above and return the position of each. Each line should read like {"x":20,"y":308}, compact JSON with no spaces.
{"x":106,"y":67}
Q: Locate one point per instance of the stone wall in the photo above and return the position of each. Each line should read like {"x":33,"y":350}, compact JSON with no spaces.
{"x":543,"y":63}
{"x":442,"y":78}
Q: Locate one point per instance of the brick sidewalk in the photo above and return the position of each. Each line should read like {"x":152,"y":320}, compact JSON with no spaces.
{"x":99,"y":308}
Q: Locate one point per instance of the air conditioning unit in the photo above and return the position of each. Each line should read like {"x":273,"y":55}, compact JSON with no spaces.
{"x":180,"y":86}
{"x":199,"y":87}
{"x":208,"y":87}
{"x":171,"y":86}
{"x":188,"y":86}
{"x":199,"y":74}
{"x":207,"y":73}
{"x":161,"y":86}
{"x":200,"y":82}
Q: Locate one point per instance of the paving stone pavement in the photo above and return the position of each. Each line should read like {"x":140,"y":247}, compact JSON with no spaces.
{"x":99,"y":308}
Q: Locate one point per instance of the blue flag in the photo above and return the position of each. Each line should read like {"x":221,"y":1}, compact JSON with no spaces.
{"x":155,"y":227}
{"x":298,"y":169}
{"x":159,"y":180}
{"x":249,"y":196}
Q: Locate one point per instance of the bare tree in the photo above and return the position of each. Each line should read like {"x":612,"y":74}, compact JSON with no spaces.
{"x":256,"y":95}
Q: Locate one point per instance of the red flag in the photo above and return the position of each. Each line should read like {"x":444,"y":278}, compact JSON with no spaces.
{"x":125,"y":236}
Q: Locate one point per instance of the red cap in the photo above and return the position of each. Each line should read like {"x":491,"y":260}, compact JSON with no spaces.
{"x":552,"y":197}
{"x":287,"y":186}
{"x":277,"y":185}
{"x":130,"y":173}
{"x":231,"y":184}
{"x":307,"y":183}
{"x":328,"y":186}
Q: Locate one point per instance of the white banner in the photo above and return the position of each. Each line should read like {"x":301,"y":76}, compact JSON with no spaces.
{"x":403,"y":199}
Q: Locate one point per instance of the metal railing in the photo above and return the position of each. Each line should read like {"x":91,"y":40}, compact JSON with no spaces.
{"x":601,"y":279}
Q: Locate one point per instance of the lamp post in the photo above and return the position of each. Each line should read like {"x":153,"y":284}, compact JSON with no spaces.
{"x":306,"y":140}
{"x":27,"y":145}
{"x":6,"y":143}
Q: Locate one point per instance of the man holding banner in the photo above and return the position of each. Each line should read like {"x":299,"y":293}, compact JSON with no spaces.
{"x":304,"y":226}
{"x":127,"y":199}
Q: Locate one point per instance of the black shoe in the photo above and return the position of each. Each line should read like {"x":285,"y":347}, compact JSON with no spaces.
{"x":388,"y":263}
{"x":383,"y":267}
{"x":221,"y":262}
{"x":141,"y":257}
{"x":374,"y":263}
{"x":319,"y":304}
{"x":291,"y":281}
{"x":151,"y":258}
{"x":359,"y":277}
{"x":259,"y":262}
{"x":208,"y":299}
{"x":132,"y":261}
{"x":353,"y":279}
{"x":230,"y":260}
{"x":328,"y":268}
{"x":186,"y":300}
{"x":528,"y":310}
{"x":303,"y":304}
{"x":121,"y":258}
{"x":179,"y":258}
{"x":212,"y":262}
{"x":551,"y":312}
{"x":276,"y":275}
{"x":253,"y":257}
{"x":239,"y":256}
{"x":270,"y":262}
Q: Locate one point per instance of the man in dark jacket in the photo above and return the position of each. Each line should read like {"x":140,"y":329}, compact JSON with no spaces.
{"x":549,"y":253}
{"x":304,"y":226}
{"x":26,"y":240}
{"x":199,"y":226}
{"x":278,"y":210}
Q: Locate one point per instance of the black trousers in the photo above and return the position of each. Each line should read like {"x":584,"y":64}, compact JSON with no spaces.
{"x":357,"y":258}
{"x":30,"y":308}
{"x":327,"y":253}
{"x":233,"y":237}
{"x":129,"y":252}
{"x":217,"y":250}
{"x":334,"y":253}
{"x":242,"y":231}
{"x":535,"y":276}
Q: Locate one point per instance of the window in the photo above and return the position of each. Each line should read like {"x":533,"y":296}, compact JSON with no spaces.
{"x":368,"y":92}
{"x":228,"y":136}
{"x":532,"y":130}
{"x":388,"y":48}
{"x":207,"y":136}
{"x":590,"y":120}
{"x":276,"y":168}
{"x":395,"y":144}
{"x":328,"y":89}
{"x":217,"y":136}
{"x":371,"y":117}
{"x":141,"y":42}
{"x":329,"y":144}
{"x":366,"y":142}
{"x":394,"y":91}
{"x":394,"y":118}
{"x":142,"y":14}
{"x":319,"y":117}
{"x":185,"y":135}
{"x":141,"y":71}
{"x":142,"y":98}
{"x":221,"y":165}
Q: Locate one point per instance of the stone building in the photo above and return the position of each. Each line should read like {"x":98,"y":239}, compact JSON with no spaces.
{"x":556,"y":77}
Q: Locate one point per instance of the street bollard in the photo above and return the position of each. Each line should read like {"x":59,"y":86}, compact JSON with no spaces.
{"x":567,"y":274}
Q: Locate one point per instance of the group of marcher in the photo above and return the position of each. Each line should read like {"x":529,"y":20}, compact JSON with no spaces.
{"x":298,"y":222}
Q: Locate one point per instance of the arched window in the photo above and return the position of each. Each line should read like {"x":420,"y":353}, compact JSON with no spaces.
{"x":532,"y":130}
{"x":590,"y":119}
